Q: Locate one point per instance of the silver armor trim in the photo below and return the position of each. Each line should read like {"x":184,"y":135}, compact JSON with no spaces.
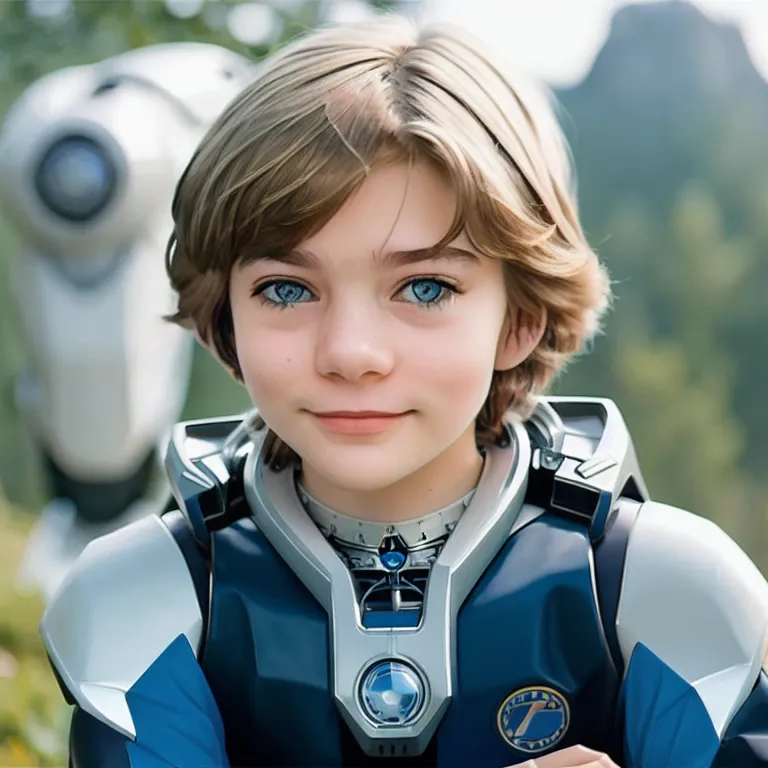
{"x":420,"y":533}
{"x":101,"y":630}
{"x":546,"y":420}
{"x":695,"y":600}
{"x":481,"y":532}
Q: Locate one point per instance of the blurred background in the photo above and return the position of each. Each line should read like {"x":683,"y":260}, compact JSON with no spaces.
{"x":665,"y":105}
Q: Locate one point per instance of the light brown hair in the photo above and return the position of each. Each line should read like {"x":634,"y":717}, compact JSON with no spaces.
{"x":326,"y":109}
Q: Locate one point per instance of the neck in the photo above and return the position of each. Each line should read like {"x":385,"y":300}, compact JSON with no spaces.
{"x":450,"y":476}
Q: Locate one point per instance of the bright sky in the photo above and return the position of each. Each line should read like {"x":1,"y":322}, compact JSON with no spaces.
{"x":557,"y":40}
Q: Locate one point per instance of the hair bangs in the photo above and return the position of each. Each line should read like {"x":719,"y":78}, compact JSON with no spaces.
{"x":358,"y":132}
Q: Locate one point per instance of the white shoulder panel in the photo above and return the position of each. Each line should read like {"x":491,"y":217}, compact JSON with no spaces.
{"x":697,"y":602}
{"x":127,"y":597}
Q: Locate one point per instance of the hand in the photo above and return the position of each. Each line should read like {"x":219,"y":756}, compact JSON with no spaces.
{"x":572,"y":757}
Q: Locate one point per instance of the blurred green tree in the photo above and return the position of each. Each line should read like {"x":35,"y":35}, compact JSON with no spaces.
{"x":672,"y":178}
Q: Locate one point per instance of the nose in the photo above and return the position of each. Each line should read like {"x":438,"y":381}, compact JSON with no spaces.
{"x":353,"y":343}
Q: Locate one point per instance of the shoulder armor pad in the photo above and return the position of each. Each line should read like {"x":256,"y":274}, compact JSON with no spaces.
{"x":582,"y":460}
{"x":126,"y":599}
{"x":204,"y":464}
{"x":694,"y":599}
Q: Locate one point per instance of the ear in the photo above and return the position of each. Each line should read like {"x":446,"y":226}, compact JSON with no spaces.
{"x":520,"y":335}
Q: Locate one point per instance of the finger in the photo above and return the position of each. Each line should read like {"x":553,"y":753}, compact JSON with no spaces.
{"x":602,"y":762}
{"x":572,"y":757}
{"x":585,"y":754}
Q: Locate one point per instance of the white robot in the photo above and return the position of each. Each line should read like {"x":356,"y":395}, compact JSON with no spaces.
{"x":89,"y":159}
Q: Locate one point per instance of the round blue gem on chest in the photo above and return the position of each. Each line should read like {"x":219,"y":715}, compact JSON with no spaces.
{"x":392,"y":561}
{"x":393,"y":552}
{"x":392,"y":693}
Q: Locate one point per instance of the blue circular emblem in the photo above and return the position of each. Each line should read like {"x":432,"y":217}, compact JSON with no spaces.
{"x":534,"y":719}
{"x":392,"y":693}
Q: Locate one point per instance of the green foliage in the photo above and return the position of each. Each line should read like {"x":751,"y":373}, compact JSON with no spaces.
{"x":33,"y":715}
{"x":91,"y":31}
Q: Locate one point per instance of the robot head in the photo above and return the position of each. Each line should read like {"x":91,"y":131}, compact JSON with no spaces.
{"x":89,"y":156}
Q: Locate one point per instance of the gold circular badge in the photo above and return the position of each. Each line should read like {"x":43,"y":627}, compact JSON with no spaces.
{"x":534,"y":719}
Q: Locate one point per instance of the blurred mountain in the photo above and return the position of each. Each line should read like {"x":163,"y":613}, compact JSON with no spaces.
{"x":669,"y":136}
{"x":672,"y":96}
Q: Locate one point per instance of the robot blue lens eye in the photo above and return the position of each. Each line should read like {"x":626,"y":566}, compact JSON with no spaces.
{"x":76,"y":179}
{"x":392,"y":693}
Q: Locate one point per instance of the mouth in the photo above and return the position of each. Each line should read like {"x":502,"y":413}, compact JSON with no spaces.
{"x":358,"y":422}
{"x":358,"y":414}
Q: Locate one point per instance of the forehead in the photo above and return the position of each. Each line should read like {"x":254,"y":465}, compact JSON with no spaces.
{"x":398,"y":207}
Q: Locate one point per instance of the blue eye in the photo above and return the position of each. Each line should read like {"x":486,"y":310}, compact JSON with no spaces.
{"x":427,"y":291}
{"x":283,"y":293}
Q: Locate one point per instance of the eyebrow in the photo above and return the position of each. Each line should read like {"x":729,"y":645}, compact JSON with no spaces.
{"x":308,"y":260}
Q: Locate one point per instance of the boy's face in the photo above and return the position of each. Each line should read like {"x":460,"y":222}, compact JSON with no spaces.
{"x":370,"y":363}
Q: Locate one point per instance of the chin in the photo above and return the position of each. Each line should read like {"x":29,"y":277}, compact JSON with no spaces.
{"x":361,"y":470}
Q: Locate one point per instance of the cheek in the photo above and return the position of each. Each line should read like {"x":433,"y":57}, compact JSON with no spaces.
{"x":270,"y":365}
{"x":457,"y":364}
{"x":458,"y":372}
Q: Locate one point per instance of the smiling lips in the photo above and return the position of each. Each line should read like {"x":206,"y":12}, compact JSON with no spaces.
{"x":358,"y":422}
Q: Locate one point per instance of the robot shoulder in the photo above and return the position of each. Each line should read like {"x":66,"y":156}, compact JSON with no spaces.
{"x":583,"y":462}
{"x":693,"y":610}
{"x":205,"y":463}
{"x":128,"y":599}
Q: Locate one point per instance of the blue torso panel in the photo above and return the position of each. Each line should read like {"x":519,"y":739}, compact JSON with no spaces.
{"x":532,"y":658}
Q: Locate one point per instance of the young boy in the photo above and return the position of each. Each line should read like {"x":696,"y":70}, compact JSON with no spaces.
{"x":407,"y":557}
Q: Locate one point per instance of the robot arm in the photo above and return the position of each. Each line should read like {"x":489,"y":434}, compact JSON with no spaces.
{"x":122,"y":634}
{"x":692,"y":625}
